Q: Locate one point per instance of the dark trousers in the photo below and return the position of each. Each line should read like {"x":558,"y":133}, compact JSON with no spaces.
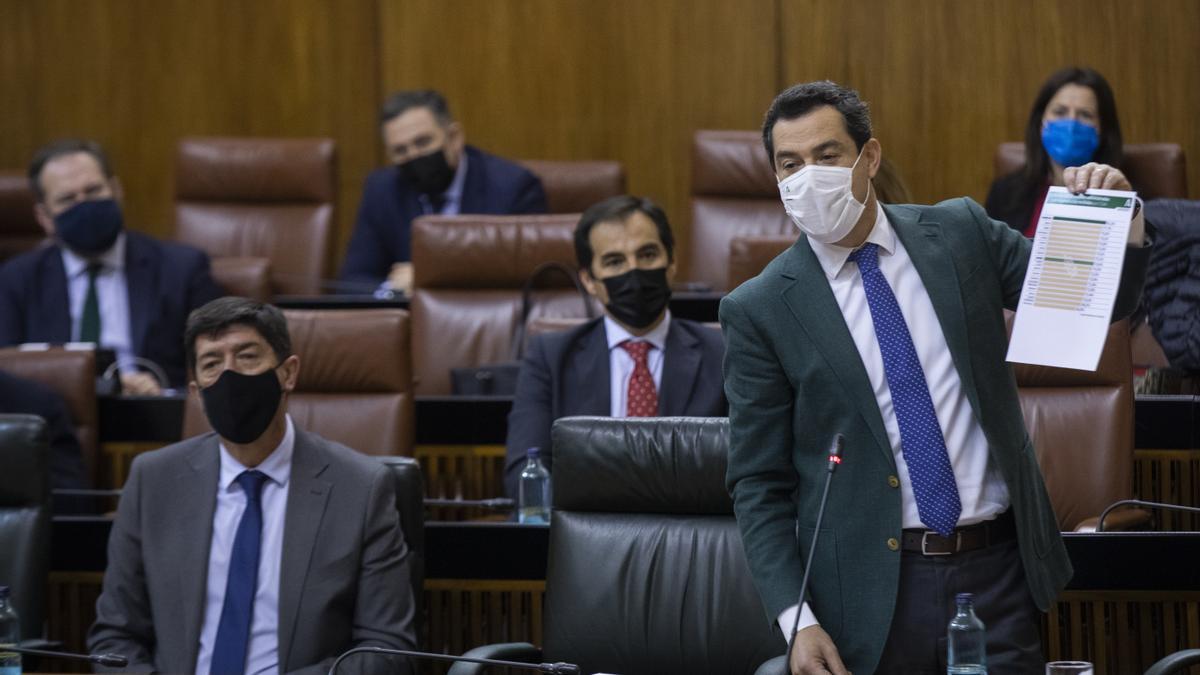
{"x":925,"y":604}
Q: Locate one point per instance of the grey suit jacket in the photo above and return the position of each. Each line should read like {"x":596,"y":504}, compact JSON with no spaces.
{"x":344,"y":577}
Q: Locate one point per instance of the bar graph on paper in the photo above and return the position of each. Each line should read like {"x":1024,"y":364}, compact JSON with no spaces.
{"x":1072,"y":280}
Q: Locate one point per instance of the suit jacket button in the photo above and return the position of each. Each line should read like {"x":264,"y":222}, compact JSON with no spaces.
{"x":893,"y":544}
{"x":893,"y":481}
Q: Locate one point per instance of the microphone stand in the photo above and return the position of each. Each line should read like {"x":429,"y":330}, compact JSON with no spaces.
{"x":1139,"y":502}
{"x":835,"y":458}
{"x":106,"y":660}
{"x":553,"y":668}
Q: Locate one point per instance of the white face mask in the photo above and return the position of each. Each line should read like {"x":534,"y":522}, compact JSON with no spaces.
{"x":820,"y":201}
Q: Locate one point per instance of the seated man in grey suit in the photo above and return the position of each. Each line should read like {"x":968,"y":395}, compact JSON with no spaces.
{"x":261,"y":547}
{"x":636,"y":361}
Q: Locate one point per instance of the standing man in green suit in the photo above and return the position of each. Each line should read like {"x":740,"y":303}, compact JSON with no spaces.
{"x":886,"y":324}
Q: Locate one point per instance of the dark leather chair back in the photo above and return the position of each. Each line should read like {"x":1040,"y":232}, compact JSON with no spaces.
{"x":1158,"y":170}
{"x":573,"y":186}
{"x":19,"y":229}
{"x":259,"y":197}
{"x":467,"y":277}
{"x":410,"y":502}
{"x":734,"y":194}
{"x":355,"y":380}
{"x":72,"y":375}
{"x":25,"y":517}
{"x":1081,"y":425}
{"x":646,"y":572}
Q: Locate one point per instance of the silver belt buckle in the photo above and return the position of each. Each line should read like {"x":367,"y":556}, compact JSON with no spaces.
{"x":925,"y":540}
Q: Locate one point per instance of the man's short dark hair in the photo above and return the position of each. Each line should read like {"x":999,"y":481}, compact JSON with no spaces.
{"x":798,"y":100}
{"x":221,"y":314}
{"x":619,"y":209}
{"x":402,"y":101}
{"x":59,"y":148}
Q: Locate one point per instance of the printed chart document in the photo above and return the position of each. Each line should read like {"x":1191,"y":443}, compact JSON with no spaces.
{"x":1074,"y":270}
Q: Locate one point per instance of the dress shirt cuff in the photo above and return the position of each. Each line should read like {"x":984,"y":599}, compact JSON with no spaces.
{"x":788,"y":616}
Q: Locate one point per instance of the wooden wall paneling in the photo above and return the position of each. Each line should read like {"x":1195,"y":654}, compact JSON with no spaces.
{"x":575,"y":79}
{"x":138,"y":75}
{"x":947,"y":80}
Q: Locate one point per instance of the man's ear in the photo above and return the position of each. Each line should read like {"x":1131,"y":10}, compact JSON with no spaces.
{"x":43,"y":217}
{"x":455,"y":142}
{"x":873,"y":153}
{"x":289,"y":373}
{"x":118,"y":190}
{"x":589,"y":283}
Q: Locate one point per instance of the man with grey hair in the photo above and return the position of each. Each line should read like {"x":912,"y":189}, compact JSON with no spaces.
{"x":433,"y":171}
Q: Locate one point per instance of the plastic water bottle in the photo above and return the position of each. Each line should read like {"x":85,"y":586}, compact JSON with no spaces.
{"x":10,"y":634}
{"x":533,"y":498}
{"x":965,"y":636}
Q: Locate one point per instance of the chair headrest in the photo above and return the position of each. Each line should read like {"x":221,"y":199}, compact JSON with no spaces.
{"x":490,"y":251}
{"x":731,"y":164}
{"x":351,"y":350}
{"x":255,"y":169}
{"x":670,"y":465}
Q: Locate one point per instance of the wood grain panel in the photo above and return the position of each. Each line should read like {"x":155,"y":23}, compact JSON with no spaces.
{"x":139,"y":74}
{"x":576,"y":79}
{"x":948,"y":80}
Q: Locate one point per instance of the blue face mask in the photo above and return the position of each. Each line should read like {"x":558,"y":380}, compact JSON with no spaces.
{"x":90,"y":227}
{"x":1070,"y":142}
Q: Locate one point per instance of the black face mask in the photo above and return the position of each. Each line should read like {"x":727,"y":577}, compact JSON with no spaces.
{"x":240,"y":407}
{"x":429,"y":174}
{"x":638,"y":297}
{"x":90,"y":227}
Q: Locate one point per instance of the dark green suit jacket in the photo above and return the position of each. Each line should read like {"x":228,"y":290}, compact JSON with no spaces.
{"x":794,"y":378}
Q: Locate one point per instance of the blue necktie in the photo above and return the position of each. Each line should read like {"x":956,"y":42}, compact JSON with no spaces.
{"x":921,"y":440}
{"x":233,"y":632}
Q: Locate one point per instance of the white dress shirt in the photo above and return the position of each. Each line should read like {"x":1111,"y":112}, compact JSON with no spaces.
{"x":112,"y":292}
{"x":452,"y":206}
{"x":981,"y":488}
{"x":262,"y":652}
{"x":620,"y":363}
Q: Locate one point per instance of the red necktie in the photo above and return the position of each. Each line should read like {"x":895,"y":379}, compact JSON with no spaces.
{"x":641,"y":400}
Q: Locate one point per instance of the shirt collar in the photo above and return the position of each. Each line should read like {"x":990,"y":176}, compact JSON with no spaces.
{"x":277,"y":465}
{"x":833,"y":257}
{"x":617,"y":334}
{"x":112,"y":259}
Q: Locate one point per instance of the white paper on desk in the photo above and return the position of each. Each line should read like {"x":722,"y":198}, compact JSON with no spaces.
{"x":1071,"y":284}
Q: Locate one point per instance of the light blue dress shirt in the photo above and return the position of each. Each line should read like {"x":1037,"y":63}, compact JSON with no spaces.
{"x":112,"y":291}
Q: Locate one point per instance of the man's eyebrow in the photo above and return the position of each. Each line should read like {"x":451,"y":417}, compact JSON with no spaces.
{"x":831,"y":144}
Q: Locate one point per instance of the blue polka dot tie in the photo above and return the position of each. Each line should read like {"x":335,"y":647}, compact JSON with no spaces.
{"x":921,"y":440}
{"x":233,"y":631}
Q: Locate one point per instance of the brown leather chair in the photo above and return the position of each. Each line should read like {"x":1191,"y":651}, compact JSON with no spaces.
{"x":467,"y":277}
{"x":19,"y":230}
{"x":259,"y":197}
{"x":355,"y":380}
{"x":734,"y":194}
{"x":573,"y":186}
{"x":247,"y":277}
{"x":1158,"y":169}
{"x":71,"y":374}
{"x":1081,"y":425}
{"x":749,"y":255}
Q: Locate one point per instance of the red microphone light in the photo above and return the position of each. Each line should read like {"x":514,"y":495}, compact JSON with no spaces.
{"x":836,"y":459}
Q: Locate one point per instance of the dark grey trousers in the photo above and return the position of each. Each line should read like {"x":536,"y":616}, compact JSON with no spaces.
{"x":916,"y":643}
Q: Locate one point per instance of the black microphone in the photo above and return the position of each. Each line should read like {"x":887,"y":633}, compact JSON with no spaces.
{"x":1139,"y":502}
{"x":553,"y":668}
{"x":835,"y":458}
{"x":106,"y":660}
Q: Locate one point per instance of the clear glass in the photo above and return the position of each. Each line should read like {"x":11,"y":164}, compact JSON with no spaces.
{"x":965,"y":640}
{"x":1069,"y":668}
{"x":10,"y":634}
{"x":533,"y":498}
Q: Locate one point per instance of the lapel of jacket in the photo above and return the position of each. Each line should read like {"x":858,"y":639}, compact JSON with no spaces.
{"x":590,"y":360}
{"x":934,"y":263}
{"x":811,"y":302}
{"x":475,"y":188}
{"x":141,"y":277}
{"x":307,"y":498}
{"x":195,"y":500}
{"x":54,"y":302}
{"x":681,"y":364}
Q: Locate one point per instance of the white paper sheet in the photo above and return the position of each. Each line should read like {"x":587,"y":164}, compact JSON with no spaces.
{"x":1074,"y":271}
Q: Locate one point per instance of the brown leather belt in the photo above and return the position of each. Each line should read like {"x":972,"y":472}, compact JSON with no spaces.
{"x":969,"y":538}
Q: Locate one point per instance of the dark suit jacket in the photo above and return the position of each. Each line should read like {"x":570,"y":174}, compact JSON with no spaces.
{"x":166,"y":282}
{"x":794,"y":378}
{"x":566,"y":373}
{"x":344,"y":580}
{"x":19,"y":395}
{"x":389,"y":205}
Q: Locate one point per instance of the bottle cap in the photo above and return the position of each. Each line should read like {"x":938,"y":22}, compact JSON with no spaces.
{"x":533,"y":453}
{"x":965,"y":597}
